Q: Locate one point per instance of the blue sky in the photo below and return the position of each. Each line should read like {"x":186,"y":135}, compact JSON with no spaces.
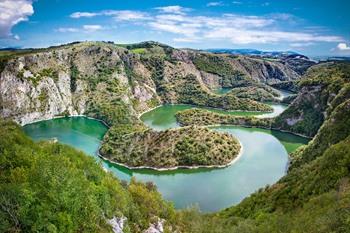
{"x":311,"y":27}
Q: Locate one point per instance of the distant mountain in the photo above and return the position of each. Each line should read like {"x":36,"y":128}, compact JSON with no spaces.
{"x":10,"y":49}
{"x":253,"y":52}
{"x":338,"y":59}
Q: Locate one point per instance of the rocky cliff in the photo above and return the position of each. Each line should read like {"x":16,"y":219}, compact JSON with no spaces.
{"x":70,"y":79}
{"x":324,"y":87}
{"x":116,"y":83}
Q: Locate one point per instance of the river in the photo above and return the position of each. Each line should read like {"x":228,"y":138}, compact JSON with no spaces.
{"x":264,"y":159}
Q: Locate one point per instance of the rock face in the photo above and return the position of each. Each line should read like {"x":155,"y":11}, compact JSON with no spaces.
{"x":326,"y":86}
{"x":26,"y":102}
{"x":117,"y":224}
{"x":156,"y":228}
{"x":67,"y":80}
{"x":62,"y":81}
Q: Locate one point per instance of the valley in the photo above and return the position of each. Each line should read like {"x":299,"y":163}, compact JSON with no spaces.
{"x":152,"y":106}
{"x":86,"y":134}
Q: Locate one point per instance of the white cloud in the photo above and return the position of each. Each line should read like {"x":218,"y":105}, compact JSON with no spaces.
{"x":186,"y":40}
{"x":11,"y":13}
{"x":92,"y":28}
{"x":173,"y":9}
{"x":123,"y":15}
{"x":343,"y":47}
{"x":301,"y":45}
{"x":77,"y":15}
{"x":243,"y":36}
{"x":129,"y":15}
{"x":88,"y":28}
{"x":209,"y":4}
{"x":235,"y":28}
{"x":64,"y":29}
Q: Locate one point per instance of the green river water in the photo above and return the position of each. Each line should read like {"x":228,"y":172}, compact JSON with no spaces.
{"x":263,"y":162}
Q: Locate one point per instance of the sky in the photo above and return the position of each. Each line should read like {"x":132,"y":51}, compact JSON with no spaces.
{"x":314,"y":28}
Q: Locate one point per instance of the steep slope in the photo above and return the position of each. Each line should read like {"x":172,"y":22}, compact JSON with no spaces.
{"x":314,"y":196}
{"x":324,"y":87}
{"x":49,"y":187}
{"x":116,"y":83}
{"x":65,"y":80}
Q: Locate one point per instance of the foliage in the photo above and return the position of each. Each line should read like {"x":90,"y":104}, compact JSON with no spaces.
{"x":256,"y":92}
{"x":204,"y":117}
{"x":321,"y":85}
{"x":74,"y":74}
{"x":191,"y":92}
{"x":216,"y":64}
{"x":49,"y":187}
{"x":189,"y":146}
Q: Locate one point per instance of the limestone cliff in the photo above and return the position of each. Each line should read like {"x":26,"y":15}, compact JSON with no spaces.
{"x":324,"y":87}
{"x":69,"y":79}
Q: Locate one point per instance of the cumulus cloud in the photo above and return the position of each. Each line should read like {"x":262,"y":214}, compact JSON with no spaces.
{"x":236,"y":28}
{"x":88,"y":28}
{"x":77,"y":15}
{"x":123,"y":15}
{"x":11,"y":13}
{"x":92,"y":28}
{"x":244,"y":36}
{"x":209,"y":4}
{"x":130,"y":15}
{"x":301,"y":45}
{"x":63,"y":29}
{"x":173,"y":9}
{"x":343,"y":47}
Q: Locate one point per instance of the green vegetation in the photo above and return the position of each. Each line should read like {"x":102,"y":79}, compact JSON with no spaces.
{"x":48,"y":73}
{"x":189,"y":146}
{"x":315,"y":194}
{"x":256,"y":92}
{"x":191,"y":92}
{"x":327,"y":85}
{"x":220,"y":65}
{"x":74,"y":74}
{"x":205,"y":117}
{"x":334,"y":129}
{"x":286,"y":85}
{"x":44,"y":99}
{"x":49,"y":187}
{"x":139,"y":50}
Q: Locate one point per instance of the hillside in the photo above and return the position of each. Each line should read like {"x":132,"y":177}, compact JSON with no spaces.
{"x":115,"y":83}
{"x":314,"y":196}
{"x":51,"y":187}
{"x":189,"y":146}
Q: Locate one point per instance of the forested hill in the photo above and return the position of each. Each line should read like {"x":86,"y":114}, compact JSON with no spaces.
{"x":116,"y":83}
{"x":315,"y":194}
{"x":49,"y":187}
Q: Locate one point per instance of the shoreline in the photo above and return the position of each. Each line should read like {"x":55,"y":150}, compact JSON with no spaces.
{"x":69,"y":116}
{"x":258,"y":127}
{"x":234,"y":160}
{"x":205,"y":107}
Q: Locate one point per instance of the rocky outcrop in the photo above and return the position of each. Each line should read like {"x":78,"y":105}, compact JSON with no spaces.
{"x":325,"y":87}
{"x":64,"y":80}
{"x":117,"y":224}
{"x":156,"y":227}
{"x":27,"y":98}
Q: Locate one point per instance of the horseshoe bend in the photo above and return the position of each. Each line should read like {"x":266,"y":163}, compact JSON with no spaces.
{"x":103,"y":136}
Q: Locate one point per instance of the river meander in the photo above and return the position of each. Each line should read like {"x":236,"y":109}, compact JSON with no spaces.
{"x":264,"y":159}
